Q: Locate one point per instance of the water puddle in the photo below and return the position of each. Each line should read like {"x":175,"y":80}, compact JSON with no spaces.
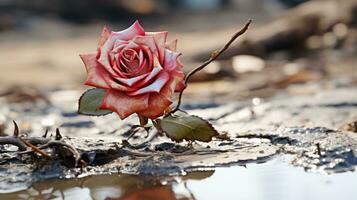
{"x":271,"y":180}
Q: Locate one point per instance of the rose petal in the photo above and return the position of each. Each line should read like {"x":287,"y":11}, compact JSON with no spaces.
{"x":155,"y":71}
{"x":157,"y":68}
{"x":156,"y":86}
{"x":123,"y":104}
{"x":159,"y":102}
{"x":171,"y":60}
{"x":132,"y":45}
{"x":117,"y":68}
{"x":179,"y":63}
{"x":104,"y":36}
{"x":117,"y":86}
{"x":172,"y":45}
{"x":160,"y":40}
{"x":131,"y":81}
{"x":149,"y":57}
{"x":96,"y":74}
{"x":141,"y":58}
{"x":119,"y":45}
{"x":164,"y":98}
{"x":143,"y":67}
{"x":147,"y":41}
{"x":127,"y":34}
{"x":179,"y":78}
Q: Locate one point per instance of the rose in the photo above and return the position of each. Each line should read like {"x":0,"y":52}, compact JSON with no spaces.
{"x":138,"y":70}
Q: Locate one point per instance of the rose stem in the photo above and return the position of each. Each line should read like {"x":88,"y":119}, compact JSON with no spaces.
{"x":213,"y":57}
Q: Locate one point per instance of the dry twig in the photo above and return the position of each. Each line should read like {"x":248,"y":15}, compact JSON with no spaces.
{"x":13,"y":141}
{"x":32,"y":142}
{"x":35,"y":149}
{"x":213,"y":57}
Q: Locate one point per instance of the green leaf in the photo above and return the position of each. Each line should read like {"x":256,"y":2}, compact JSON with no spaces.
{"x":189,"y":127}
{"x":90,"y":101}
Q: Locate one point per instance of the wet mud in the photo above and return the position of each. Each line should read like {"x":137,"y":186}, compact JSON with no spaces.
{"x":310,"y":128}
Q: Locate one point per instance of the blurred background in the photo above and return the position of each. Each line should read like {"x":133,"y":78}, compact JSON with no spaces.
{"x":290,"y":41}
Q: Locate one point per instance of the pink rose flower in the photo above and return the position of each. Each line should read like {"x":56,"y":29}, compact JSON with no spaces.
{"x":138,"y":70}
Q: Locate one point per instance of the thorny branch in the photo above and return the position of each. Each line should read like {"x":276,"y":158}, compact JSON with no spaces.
{"x":213,"y":57}
{"x":23,"y":143}
{"x":14,"y":140}
{"x":28,"y":145}
{"x":35,"y":148}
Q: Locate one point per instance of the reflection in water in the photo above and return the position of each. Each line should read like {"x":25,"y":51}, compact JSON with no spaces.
{"x":271,"y":180}
{"x":113,"y":187}
{"x":159,"y":192}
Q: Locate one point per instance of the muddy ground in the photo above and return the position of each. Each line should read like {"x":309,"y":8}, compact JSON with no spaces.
{"x":318,"y":130}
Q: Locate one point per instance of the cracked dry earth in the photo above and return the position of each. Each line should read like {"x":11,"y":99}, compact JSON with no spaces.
{"x":318,"y":131}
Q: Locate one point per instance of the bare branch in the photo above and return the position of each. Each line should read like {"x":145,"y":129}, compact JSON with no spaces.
{"x":56,"y":143}
{"x":23,"y":143}
{"x":35,"y":149}
{"x":73,"y":150}
{"x":13,"y":141}
{"x":213,"y":57}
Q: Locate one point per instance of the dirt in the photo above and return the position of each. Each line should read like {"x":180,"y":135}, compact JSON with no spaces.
{"x":307,"y":127}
